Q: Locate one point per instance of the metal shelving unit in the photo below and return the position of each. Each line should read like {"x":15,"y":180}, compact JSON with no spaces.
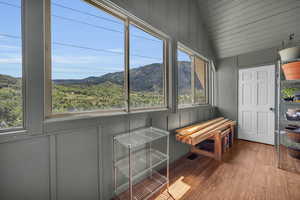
{"x":139,"y":157}
{"x":283,"y":142}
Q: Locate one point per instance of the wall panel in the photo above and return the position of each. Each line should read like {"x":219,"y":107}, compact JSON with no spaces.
{"x":24,"y":169}
{"x":77,"y":164}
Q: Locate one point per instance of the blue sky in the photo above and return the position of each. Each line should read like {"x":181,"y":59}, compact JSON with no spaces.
{"x":85,"y":41}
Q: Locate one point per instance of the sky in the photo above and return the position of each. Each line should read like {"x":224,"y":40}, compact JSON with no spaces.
{"x":85,"y":41}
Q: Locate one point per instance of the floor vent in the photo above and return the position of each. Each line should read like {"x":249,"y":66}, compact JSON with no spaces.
{"x":192,"y":156}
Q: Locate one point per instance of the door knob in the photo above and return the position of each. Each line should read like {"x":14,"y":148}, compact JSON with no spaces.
{"x":271,"y":109}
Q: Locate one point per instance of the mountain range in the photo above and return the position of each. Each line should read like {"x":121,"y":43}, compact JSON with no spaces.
{"x":144,"y":78}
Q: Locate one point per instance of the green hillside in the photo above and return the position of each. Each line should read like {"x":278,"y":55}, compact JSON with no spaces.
{"x":94,"y":93}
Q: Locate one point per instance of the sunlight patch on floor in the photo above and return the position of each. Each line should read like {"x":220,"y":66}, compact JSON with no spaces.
{"x":176,"y":190}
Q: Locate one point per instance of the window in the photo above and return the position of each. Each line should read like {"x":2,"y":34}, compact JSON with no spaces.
{"x":200,"y":80}
{"x":146,"y":70}
{"x":184,"y":78}
{"x":192,"y":78}
{"x":89,"y":72}
{"x":87,"y":58}
{"x":11,"y":106}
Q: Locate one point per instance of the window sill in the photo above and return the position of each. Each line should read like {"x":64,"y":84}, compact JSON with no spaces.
{"x":195,"y":106}
{"x":91,"y":115}
{"x":11,"y":135}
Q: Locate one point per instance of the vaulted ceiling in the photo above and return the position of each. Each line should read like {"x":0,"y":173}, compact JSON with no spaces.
{"x":240,"y":26}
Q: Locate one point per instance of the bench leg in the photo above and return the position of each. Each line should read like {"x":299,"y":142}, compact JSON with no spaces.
{"x":232,"y":135}
{"x":218,"y":147}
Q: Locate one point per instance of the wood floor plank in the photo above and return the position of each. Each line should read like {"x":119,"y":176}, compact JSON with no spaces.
{"x":248,"y":171}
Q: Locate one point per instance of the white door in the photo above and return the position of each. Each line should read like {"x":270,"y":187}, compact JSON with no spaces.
{"x":256,"y":116}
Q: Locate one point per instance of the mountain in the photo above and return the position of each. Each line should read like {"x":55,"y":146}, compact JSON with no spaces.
{"x":144,"y":78}
{"x":6,"y":80}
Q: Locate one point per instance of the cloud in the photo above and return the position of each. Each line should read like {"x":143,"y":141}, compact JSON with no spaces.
{"x":8,"y":46}
{"x":74,"y":59}
{"x":117,"y":50}
{"x":12,"y":60}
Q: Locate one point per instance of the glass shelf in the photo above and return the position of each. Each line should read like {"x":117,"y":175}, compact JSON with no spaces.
{"x":137,"y":154}
{"x":287,"y":142}
{"x":144,"y":189}
{"x":140,"y":137}
{"x":290,"y":82}
{"x":286,"y":122}
{"x":291,"y":103}
{"x":139,"y":165}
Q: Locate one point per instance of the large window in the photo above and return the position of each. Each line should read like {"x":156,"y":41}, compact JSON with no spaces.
{"x":100,"y":63}
{"x":184,"y":78}
{"x":87,"y":58}
{"x":11,"y":108}
{"x":146,"y":70}
{"x":192,"y":78}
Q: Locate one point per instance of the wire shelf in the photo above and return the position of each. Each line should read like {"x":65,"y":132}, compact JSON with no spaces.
{"x":137,"y":155}
{"x":140,"y":137}
{"x":291,"y":103}
{"x":285,"y":122}
{"x":286,"y":141}
{"x":144,"y":189}
{"x":290,"y":82}
{"x":140,"y":165}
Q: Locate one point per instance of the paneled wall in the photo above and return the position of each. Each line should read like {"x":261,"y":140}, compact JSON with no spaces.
{"x":227,"y":78}
{"x":71,"y":159}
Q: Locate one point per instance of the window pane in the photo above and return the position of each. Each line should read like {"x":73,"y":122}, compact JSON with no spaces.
{"x":87,"y":58}
{"x":184,"y":78}
{"x":146,"y":70}
{"x":11,"y":111}
{"x":200,"y":81}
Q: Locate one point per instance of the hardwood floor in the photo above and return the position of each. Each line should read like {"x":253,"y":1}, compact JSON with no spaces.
{"x":248,"y":171}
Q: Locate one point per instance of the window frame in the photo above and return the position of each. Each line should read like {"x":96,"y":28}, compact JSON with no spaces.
{"x":128,"y":19}
{"x":193,"y":54}
{"x":23,"y":127}
{"x":165,"y":71}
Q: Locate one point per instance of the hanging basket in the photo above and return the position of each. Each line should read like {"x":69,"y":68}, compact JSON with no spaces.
{"x":291,"y":70}
{"x":291,"y":53}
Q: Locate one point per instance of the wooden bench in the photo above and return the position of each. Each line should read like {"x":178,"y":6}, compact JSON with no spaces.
{"x":218,"y":129}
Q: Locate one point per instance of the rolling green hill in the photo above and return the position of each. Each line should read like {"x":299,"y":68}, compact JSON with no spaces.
{"x":94,"y":93}
{"x":144,"y":78}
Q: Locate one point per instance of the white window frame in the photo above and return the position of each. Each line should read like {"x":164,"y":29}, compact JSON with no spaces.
{"x":128,"y":19}
{"x":193,"y":54}
{"x":23,"y":127}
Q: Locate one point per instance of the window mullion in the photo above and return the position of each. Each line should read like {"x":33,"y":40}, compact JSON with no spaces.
{"x":48,"y":79}
{"x":126,"y":74}
{"x":165,"y":74}
{"x":193,"y":79}
{"x":207,"y":80}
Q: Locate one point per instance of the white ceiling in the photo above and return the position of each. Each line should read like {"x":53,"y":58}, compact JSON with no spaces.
{"x":240,"y":26}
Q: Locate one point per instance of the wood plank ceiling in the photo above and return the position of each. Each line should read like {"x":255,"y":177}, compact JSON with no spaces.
{"x":240,"y":26}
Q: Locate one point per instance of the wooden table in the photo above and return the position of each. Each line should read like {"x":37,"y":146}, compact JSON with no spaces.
{"x":218,"y":129}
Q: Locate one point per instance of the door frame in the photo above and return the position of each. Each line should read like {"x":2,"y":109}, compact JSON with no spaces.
{"x":275,"y":99}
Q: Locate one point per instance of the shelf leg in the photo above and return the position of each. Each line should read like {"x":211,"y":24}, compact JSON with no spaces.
{"x":130,"y":173}
{"x":151,"y":172}
{"x":115,"y":169}
{"x":168,"y":162}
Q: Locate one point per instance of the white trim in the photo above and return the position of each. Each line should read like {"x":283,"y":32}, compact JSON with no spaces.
{"x":24,"y":88}
{"x":128,"y":19}
{"x":190,"y":50}
{"x":114,"y":8}
{"x":247,"y":136}
{"x":207,"y":89}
